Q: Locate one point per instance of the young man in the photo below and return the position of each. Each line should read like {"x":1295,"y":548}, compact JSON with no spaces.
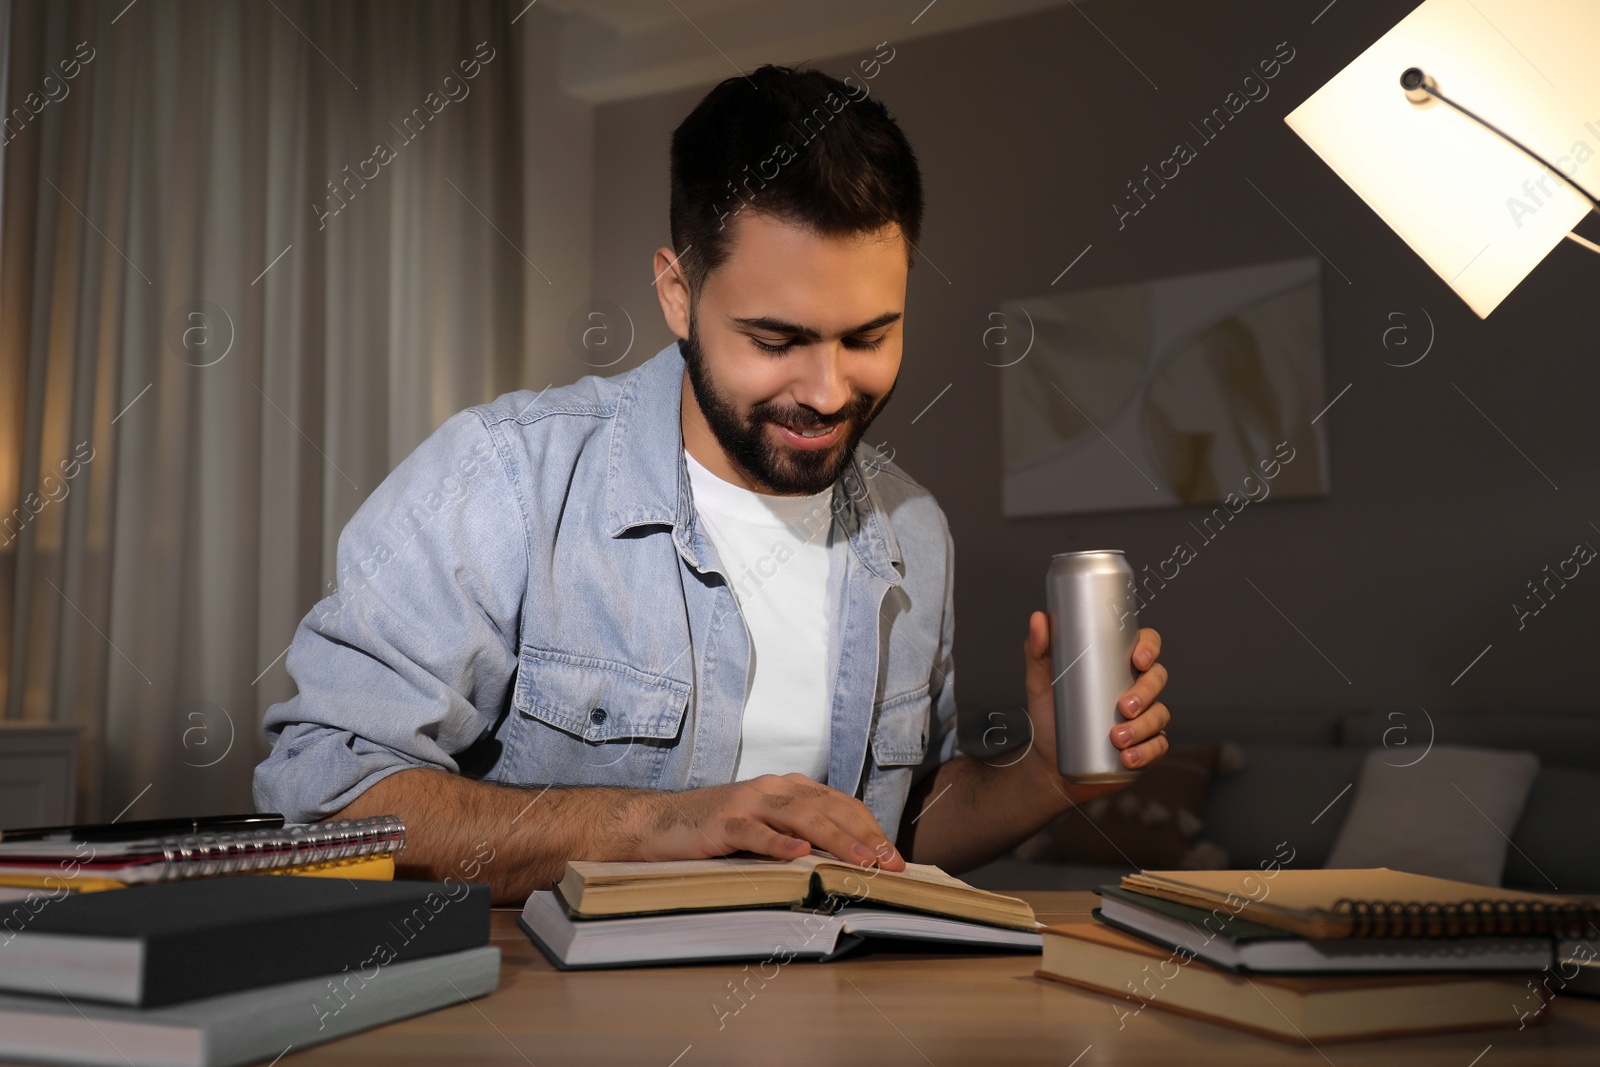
{"x":683,"y":611}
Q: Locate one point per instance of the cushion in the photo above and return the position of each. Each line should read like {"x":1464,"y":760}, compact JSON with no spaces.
{"x":1285,"y":796}
{"x":1555,"y":840}
{"x":1153,"y":823}
{"x":1558,"y":739}
{"x":1447,"y":815}
{"x":1274,"y":726}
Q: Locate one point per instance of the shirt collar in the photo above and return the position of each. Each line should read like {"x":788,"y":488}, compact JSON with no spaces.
{"x":647,"y":481}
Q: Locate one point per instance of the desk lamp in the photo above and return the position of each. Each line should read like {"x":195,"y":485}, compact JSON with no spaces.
{"x":1473,"y":129}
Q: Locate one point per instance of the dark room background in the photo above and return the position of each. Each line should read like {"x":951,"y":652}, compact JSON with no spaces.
{"x":170,"y":580}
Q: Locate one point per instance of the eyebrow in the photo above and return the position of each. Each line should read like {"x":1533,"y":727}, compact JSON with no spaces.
{"x":776,"y":325}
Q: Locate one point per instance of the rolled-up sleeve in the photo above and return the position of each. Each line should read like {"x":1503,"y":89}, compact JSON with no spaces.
{"x":413,"y":657}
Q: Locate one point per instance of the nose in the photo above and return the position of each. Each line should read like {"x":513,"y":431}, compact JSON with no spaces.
{"x":821,"y":384}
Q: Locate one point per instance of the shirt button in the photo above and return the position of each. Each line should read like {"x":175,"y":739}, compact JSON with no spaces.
{"x":924,"y":740}
{"x":597,"y":716}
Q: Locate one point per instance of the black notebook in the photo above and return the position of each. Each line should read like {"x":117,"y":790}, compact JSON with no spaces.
{"x":164,"y":944}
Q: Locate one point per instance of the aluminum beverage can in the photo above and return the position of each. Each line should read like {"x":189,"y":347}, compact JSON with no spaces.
{"x":1094,"y":624}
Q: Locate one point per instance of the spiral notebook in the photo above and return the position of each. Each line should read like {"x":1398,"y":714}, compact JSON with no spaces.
{"x":1373,"y":903}
{"x":205,"y":854}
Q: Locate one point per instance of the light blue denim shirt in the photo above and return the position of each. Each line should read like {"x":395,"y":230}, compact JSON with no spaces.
{"x":529,"y":599}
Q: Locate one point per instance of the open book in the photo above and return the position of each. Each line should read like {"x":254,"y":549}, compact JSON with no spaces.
{"x":816,"y":881}
{"x":776,"y":935}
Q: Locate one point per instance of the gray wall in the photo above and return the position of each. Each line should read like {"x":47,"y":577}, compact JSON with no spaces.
{"x":1027,"y":131}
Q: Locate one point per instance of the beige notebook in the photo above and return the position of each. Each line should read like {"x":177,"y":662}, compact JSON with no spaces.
{"x":744,"y":880}
{"x":1377,"y":902}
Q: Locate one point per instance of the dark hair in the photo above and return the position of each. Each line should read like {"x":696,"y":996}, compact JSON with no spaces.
{"x":794,"y":144}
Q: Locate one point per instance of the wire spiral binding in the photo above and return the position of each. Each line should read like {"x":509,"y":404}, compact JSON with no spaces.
{"x":206,"y":854}
{"x":1467,"y":918}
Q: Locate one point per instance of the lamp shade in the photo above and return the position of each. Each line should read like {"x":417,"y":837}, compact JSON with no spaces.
{"x":1480,"y":212}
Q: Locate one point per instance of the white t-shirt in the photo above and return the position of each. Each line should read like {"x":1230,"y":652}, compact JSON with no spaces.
{"x":775,"y":553}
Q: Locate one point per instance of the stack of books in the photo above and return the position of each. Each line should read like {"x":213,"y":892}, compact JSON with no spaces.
{"x":1326,"y":955}
{"x":212,"y":972}
{"x":86,"y":859}
{"x":745,"y":906}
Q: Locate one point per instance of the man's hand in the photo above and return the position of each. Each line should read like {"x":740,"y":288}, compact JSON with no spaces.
{"x":1142,"y":739}
{"x":994,"y":805}
{"x":519,"y":839}
{"x":784,"y":816}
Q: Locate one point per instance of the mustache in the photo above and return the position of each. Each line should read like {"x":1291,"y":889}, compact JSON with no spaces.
{"x":806,"y":419}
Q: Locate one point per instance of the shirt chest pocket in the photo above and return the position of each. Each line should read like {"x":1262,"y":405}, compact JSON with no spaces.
{"x":900,"y":733}
{"x":610,"y":724}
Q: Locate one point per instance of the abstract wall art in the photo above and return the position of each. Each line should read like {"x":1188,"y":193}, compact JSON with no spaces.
{"x":1165,"y":393}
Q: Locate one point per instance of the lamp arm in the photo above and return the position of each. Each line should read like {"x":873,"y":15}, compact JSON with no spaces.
{"x":1426,"y":85}
{"x":1421,"y":84}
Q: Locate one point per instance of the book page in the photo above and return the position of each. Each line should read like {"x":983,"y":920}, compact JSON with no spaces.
{"x":737,"y":862}
{"x":593,"y":888}
{"x":593,"y":870}
{"x":916,"y":872}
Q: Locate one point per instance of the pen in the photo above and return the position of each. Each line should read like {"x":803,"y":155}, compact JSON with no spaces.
{"x":144,"y":828}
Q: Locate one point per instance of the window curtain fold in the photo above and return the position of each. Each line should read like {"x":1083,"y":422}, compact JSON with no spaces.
{"x":251,"y":254}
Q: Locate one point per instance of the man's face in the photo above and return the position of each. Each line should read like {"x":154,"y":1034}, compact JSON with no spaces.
{"x":793,"y":347}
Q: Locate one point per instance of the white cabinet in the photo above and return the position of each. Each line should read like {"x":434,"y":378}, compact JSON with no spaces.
{"x":38,"y":774}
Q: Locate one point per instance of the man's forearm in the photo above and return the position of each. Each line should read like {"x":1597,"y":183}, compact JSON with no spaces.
{"x":517,"y":840}
{"x":968,"y":812}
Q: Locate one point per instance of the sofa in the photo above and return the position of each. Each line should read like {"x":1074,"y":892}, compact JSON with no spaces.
{"x":1296,"y":766}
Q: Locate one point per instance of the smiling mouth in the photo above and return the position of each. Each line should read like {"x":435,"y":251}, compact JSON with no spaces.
{"x":811,"y":437}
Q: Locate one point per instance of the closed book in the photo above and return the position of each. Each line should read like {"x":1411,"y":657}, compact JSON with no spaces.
{"x":594,"y":889}
{"x":1577,"y":974}
{"x":1375,"y":902}
{"x":147,"y":946}
{"x":1296,"y":1009}
{"x":1237,"y":944}
{"x":255,"y":1026}
{"x":776,"y":934}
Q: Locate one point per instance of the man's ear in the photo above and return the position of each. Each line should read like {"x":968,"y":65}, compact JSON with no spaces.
{"x":672,"y":290}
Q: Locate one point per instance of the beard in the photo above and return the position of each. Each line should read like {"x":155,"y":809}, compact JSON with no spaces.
{"x":780,"y":467}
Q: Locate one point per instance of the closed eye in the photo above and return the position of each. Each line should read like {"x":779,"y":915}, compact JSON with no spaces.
{"x":860,"y":344}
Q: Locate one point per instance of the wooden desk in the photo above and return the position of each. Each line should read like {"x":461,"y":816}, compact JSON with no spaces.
{"x":900,"y":1008}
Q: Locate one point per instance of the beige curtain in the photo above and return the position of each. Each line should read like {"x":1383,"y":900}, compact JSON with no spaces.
{"x":225,"y":315}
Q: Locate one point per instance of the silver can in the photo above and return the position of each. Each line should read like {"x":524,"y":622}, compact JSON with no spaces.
{"x":1094,"y":624}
